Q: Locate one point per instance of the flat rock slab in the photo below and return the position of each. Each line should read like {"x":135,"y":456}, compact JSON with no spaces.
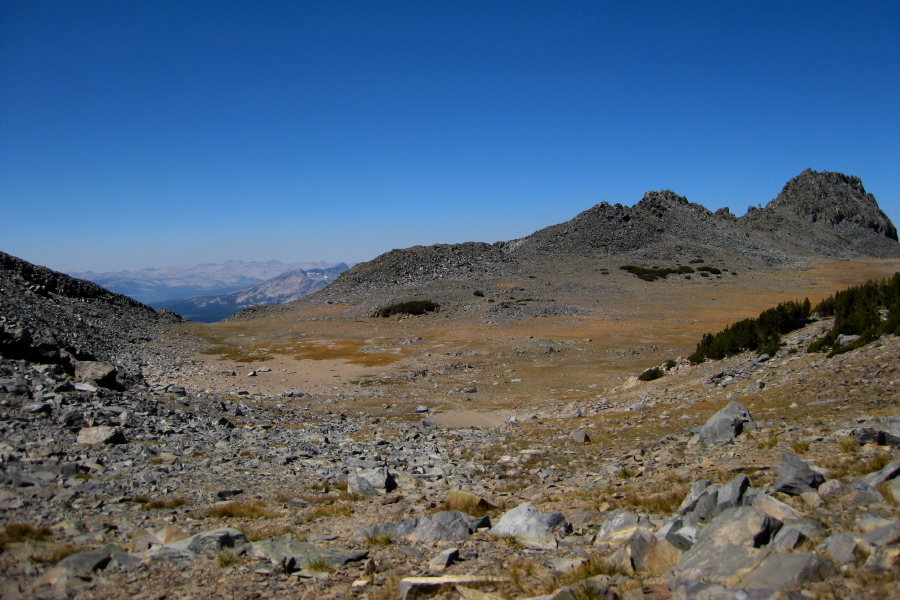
{"x":104,"y":434}
{"x":411,"y":586}
{"x":212,"y":542}
{"x":293,"y":555}
{"x":84,"y":562}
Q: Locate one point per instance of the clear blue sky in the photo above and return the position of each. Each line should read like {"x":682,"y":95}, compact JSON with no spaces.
{"x":155,"y":133}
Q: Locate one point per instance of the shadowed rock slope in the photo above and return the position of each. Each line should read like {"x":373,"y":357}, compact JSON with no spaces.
{"x":49,"y":317}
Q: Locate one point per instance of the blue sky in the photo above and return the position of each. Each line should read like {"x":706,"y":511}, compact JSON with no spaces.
{"x":155,"y":133}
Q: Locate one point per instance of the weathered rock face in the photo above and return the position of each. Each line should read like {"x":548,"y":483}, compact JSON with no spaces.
{"x":826,"y":214}
{"x":726,"y":424}
{"x":831,"y":199}
{"x":816,"y":215}
{"x":49,"y":317}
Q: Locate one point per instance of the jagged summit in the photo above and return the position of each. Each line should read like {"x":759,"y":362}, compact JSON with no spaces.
{"x":833,"y":198}
{"x":826,"y":215}
{"x":817,"y":216}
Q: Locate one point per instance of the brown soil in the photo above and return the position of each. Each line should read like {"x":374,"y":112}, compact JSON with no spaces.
{"x":364,"y":364}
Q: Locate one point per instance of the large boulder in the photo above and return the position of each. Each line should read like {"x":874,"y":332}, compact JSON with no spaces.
{"x":795,"y":477}
{"x":726,"y":425}
{"x":531,"y":528}
{"x":212,"y":542}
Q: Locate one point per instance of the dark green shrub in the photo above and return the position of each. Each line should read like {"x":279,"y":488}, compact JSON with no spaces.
{"x":868,"y":310}
{"x":670,"y":364}
{"x":478,"y":293}
{"x":709,"y":269}
{"x":654,"y":273}
{"x":762,"y":334}
{"x":696,"y":261}
{"x":412,"y":307}
{"x":651,"y":374}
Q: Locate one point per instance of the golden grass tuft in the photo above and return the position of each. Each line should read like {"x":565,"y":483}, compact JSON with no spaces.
{"x":265,"y":531}
{"x":53,"y":553}
{"x":169,"y":504}
{"x":661,"y":503}
{"x":254,"y":509}
{"x":23,"y":532}
{"x":327,"y":511}
{"x":859,"y":465}
{"x":381,"y":539}
{"x":467,"y":503}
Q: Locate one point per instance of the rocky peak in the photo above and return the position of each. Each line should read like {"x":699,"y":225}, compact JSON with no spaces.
{"x":830,"y":199}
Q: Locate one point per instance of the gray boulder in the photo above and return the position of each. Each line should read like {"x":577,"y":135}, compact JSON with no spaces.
{"x":743,"y":526}
{"x":103,"y":434}
{"x":884,"y":432}
{"x":795,"y":477}
{"x":784,"y":570}
{"x":620,"y":525}
{"x":876,"y":478}
{"x":85,"y":562}
{"x":840,"y":547}
{"x":292,"y":555}
{"x":212,"y":542}
{"x":726,"y":425}
{"x":531,"y":528}
{"x":447,"y":526}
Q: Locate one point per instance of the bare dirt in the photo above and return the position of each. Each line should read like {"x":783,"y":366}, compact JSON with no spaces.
{"x":377,"y":364}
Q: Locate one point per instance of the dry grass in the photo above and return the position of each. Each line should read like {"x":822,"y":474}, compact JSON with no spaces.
{"x":885,"y":490}
{"x":768,"y":444}
{"x":265,"y":531}
{"x":168,"y":504}
{"x":226,"y":559}
{"x":800,"y":447}
{"x":254,"y":509}
{"x":23,"y":532}
{"x":319,"y":565}
{"x":523,"y":578}
{"x":329,"y":511}
{"x":849,"y":444}
{"x":859,"y":465}
{"x":53,"y":553}
{"x":662,"y":503}
{"x":382,"y":539}
{"x":468,"y":503}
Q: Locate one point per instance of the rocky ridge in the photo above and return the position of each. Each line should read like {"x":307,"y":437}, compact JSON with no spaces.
{"x":278,"y":290}
{"x":817,"y":216}
{"x":161,"y":284}
{"x":49,"y":317}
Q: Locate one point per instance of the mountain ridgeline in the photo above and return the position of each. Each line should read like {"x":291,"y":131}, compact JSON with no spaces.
{"x":817,"y":216}
{"x":278,"y":290}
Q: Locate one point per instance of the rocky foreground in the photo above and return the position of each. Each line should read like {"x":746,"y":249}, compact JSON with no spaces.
{"x":752,"y":477}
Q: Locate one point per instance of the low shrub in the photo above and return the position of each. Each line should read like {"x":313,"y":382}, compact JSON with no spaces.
{"x":762,"y":333}
{"x":869,"y":311}
{"x":651,"y":374}
{"x":254,"y":509}
{"x":654,"y":273}
{"x":412,"y":307}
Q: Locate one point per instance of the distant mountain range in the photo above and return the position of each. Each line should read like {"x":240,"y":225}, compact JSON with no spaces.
{"x":152,"y":286}
{"x":278,"y":290}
